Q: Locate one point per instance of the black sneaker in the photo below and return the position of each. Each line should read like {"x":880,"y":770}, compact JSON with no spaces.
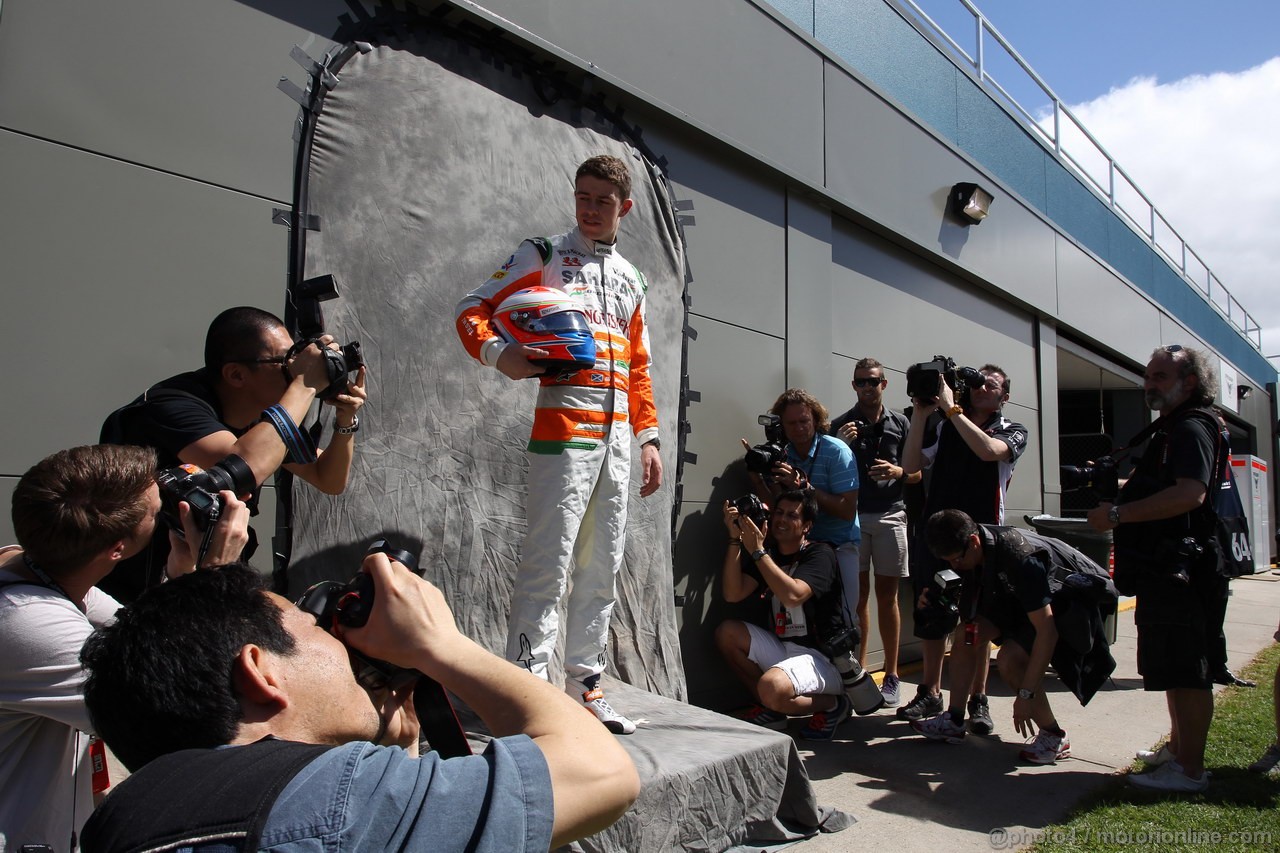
{"x":980,"y":715}
{"x":924,"y":706}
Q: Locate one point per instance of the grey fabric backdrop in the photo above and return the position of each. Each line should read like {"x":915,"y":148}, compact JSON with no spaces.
{"x":430,"y":164}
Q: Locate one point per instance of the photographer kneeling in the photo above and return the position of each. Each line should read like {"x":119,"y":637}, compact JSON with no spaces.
{"x":777,"y":658}
{"x":304,"y":767}
{"x":1042,"y":602}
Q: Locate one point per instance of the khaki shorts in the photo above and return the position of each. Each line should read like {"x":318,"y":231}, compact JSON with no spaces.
{"x":884,"y":543}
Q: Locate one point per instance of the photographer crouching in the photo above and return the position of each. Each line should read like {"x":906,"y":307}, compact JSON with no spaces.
{"x":304,"y":764}
{"x":785,"y":657}
{"x":1042,"y":602}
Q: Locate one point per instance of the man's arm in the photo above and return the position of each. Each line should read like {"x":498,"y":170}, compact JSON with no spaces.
{"x":641,"y":411}
{"x":593,"y":779}
{"x":1037,"y":665}
{"x":734,"y":584}
{"x":261,"y":447}
{"x":329,"y":473}
{"x":788,"y":590}
{"x":474,"y":315}
{"x":985,"y":447}
{"x":913,"y":461}
{"x":1183,"y":496}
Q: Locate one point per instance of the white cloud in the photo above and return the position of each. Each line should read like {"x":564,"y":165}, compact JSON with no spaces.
{"x":1204,"y":150}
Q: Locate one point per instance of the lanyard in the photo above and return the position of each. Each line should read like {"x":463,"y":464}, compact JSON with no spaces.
{"x":46,"y":580}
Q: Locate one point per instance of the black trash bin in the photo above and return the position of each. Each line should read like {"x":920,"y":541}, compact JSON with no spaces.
{"x":1077,"y":533}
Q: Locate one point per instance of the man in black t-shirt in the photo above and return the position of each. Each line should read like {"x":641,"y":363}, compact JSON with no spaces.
{"x":777,"y":657}
{"x":203,"y":416}
{"x":876,"y":435}
{"x":1011,"y":569}
{"x":971,"y":459}
{"x":1160,"y":524}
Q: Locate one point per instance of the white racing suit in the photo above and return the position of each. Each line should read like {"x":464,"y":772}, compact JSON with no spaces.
{"x":580,"y":449}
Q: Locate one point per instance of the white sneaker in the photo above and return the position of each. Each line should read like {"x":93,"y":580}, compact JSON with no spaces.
{"x":1169,"y":777}
{"x":595,"y":702}
{"x":1155,"y":757}
{"x":1046,"y":748}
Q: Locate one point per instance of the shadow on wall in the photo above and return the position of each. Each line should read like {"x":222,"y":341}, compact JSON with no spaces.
{"x":699,"y":555}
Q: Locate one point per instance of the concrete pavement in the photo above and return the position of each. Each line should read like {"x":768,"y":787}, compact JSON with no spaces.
{"x":911,"y":794}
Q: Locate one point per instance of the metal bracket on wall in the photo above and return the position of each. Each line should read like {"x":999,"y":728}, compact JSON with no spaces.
{"x":281,"y":216}
{"x":317,"y":71}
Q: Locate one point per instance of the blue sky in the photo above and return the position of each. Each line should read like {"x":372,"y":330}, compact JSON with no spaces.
{"x":1083,"y":48}
{"x":1185,"y":96}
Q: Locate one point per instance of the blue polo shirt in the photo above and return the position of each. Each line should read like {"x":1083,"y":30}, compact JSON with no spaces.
{"x":830,"y":466}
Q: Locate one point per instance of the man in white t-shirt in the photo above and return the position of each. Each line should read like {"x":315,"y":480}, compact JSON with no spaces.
{"x":76,"y":515}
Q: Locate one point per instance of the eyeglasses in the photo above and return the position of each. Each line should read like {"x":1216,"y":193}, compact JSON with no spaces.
{"x":275,"y":359}
{"x":868,"y":382}
{"x":1173,"y":348}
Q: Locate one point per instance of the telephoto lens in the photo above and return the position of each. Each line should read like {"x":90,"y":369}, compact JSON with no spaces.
{"x":859,"y":686}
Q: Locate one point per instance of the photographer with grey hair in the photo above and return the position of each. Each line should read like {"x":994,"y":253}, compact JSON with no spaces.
{"x":1163,"y":532}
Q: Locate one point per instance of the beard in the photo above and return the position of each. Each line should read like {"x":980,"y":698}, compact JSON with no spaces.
{"x":1159,"y":402}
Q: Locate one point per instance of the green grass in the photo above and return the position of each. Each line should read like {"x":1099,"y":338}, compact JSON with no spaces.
{"x":1240,"y":810}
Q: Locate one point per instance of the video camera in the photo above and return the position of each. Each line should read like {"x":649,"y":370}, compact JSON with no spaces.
{"x":762,"y":457}
{"x":348,"y":605}
{"x":348,"y":358}
{"x":922,"y":379}
{"x":199,"y":488}
{"x":1102,"y":477}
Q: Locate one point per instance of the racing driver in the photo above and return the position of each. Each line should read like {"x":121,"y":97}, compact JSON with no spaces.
{"x":580,"y":449}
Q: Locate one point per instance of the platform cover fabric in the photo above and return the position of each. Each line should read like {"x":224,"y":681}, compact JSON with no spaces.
{"x":431,"y":162}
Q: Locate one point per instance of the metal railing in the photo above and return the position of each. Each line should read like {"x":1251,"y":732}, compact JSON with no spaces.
{"x":1064,"y":134}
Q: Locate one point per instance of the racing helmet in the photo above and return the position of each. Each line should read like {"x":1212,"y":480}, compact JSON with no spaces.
{"x":551,"y":320}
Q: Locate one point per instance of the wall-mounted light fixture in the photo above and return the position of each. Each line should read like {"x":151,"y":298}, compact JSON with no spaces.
{"x":970,"y":203}
{"x":1243,"y":392}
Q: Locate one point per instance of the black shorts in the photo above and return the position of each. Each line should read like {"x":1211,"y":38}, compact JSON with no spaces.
{"x":1175,"y":626}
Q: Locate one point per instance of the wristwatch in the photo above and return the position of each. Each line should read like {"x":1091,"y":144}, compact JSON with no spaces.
{"x":1113,"y":514}
{"x":757,"y":554}
{"x":1024,"y":693}
{"x":657,"y":444}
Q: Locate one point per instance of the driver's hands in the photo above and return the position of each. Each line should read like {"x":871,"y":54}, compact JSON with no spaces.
{"x":514,"y":361}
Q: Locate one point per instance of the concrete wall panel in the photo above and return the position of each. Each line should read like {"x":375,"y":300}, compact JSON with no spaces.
{"x":703,"y":60}
{"x":112,"y":274}
{"x":185,"y":86}
{"x":739,"y":374}
{"x":1094,"y":301}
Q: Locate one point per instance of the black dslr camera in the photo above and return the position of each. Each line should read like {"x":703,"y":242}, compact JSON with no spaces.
{"x":922,"y":379}
{"x":1102,"y":477}
{"x":753,"y":508}
{"x":306,"y":299}
{"x":942,"y":614}
{"x":762,"y":457}
{"x":199,"y":488}
{"x":348,"y":605}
